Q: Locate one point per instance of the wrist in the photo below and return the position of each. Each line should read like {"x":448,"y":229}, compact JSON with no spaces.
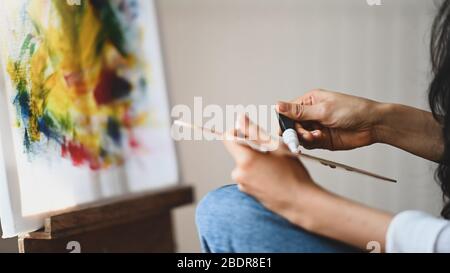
{"x":382,"y":127}
{"x":304,"y":210}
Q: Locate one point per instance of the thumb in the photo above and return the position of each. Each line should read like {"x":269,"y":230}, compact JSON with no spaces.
{"x":300,"y":112}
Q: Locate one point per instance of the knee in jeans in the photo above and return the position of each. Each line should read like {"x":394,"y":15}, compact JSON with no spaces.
{"x":231,"y":221}
{"x":215,"y":207}
{"x":226,"y":207}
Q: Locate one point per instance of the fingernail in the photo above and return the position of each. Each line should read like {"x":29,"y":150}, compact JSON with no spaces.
{"x":315,"y":133}
{"x":282,"y":107}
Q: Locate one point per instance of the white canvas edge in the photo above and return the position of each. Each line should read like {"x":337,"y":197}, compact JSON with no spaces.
{"x":6,"y":214}
{"x":10,"y":198}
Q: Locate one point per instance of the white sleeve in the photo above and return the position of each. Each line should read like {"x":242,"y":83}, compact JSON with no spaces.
{"x":415,"y":231}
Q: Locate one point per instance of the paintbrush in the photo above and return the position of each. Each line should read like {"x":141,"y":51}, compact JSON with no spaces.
{"x":267,"y":148}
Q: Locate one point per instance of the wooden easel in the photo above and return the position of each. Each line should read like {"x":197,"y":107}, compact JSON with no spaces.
{"x":141,"y":223}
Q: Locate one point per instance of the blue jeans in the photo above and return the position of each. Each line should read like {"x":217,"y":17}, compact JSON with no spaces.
{"x":230,"y":221}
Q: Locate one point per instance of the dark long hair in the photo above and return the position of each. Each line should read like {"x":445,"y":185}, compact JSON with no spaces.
{"x":439,"y":93}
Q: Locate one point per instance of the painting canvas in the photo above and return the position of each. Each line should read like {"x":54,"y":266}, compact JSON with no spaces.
{"x":84,"y":111}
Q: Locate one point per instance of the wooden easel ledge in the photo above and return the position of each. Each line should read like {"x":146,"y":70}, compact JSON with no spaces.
{"x":139,"y":223}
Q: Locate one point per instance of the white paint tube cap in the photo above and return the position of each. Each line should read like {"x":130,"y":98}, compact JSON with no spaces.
{"x":291,"y":139}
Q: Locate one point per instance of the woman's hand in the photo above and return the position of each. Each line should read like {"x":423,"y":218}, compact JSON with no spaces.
{"x":333,"y":121}
{"x":277,"y":179}
{"x":282,"y":184}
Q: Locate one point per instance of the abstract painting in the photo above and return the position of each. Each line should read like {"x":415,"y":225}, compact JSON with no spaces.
{"x":84,"y":106}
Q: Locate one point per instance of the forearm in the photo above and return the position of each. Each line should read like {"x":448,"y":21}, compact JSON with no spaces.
{"x":335,"y":217}
{"x":410,"y":129}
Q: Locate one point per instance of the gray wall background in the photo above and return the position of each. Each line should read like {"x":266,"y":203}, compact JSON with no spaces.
{"x":261,"y":51}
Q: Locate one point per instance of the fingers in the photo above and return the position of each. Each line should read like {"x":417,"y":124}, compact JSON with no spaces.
{"x":240,"y":153}
{"x":310,"y":134}
{"x":307,"y":107}
{"x":312,"y":97}
{"x":303,"y":134}
{"x":300,"y":112}
{"x":319,"y":140}
{"x":251,"y":131}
